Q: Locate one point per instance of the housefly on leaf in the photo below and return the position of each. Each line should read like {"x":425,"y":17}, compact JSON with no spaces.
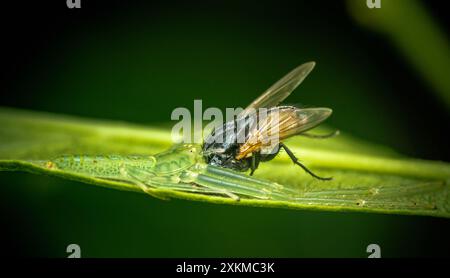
{"x":214,"y":167}
{"x":247,"y":140}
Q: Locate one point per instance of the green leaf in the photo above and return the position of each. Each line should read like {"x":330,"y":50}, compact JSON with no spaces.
{"x":420,"y":187}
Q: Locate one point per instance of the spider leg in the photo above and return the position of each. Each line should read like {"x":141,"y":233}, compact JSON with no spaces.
{"x":208,"y":179}
{"x":241,"y":184}
{"x":150,"y":184}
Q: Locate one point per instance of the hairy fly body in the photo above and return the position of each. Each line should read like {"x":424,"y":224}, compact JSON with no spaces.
{"x":224,"y":149}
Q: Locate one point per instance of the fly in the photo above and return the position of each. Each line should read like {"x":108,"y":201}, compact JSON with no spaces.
{"x":222,"y":147}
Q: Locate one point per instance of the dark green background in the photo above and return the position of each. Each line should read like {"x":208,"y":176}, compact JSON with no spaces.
{"x":135,"y":61}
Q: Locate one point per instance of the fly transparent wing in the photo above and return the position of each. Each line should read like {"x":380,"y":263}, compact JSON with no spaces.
{"x":281,"y":89}
{"x":282,"y":122}
{"x":304,"y":119}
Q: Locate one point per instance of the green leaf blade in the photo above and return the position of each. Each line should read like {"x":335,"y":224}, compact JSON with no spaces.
{"x":29,"y":139}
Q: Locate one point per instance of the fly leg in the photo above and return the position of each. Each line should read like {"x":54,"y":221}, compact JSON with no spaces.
{"x":376,"y":197}
{"x":295,"y":160}
{"x":256,"y":158}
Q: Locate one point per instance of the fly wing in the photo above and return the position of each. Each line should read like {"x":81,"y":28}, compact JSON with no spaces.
{"x":302,"y":120}
{"x":281,"y":89}
{"x":279,"y":124}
